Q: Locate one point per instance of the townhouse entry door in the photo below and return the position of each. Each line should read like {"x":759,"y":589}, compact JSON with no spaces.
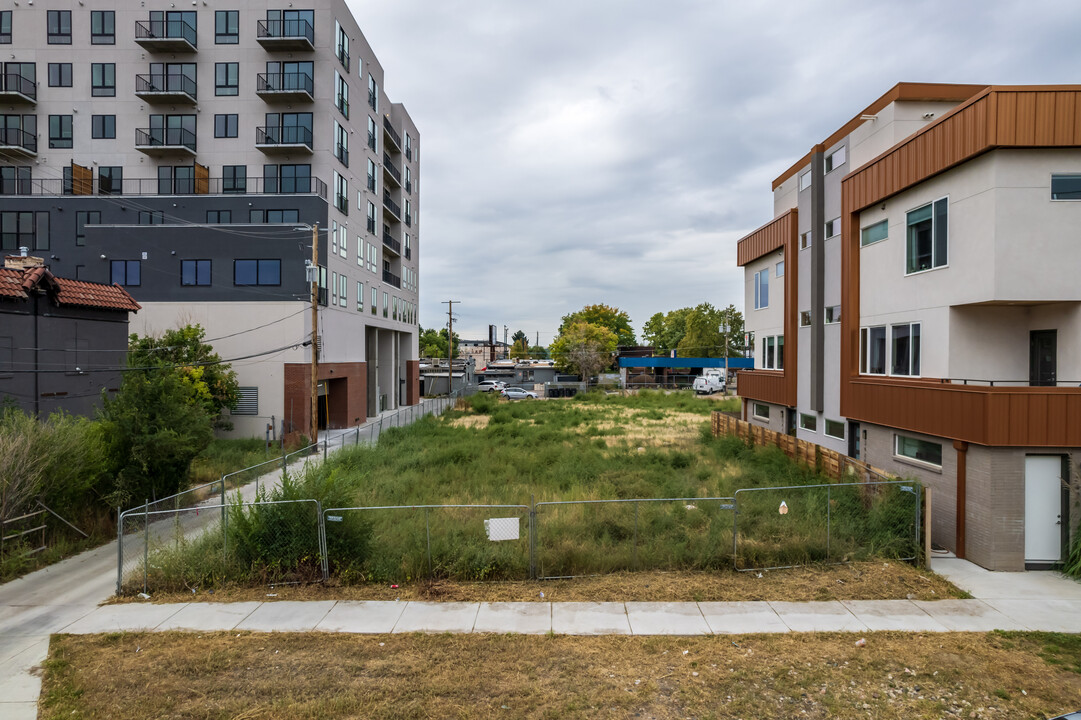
{"x":1043,"y":509}
{"x":1043,"y":357}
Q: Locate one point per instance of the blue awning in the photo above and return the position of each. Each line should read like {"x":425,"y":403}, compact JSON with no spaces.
{"x":736,"y":363}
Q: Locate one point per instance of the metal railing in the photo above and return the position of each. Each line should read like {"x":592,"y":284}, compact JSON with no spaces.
{"x":389,"y":130}
{"x":390,"y":242}
{"x":342,"y":153}
{"x":283,"y":135}
{"x":388,"y":201}
{"x":1003,"y":383}
{"x":343,"y":57}
{"x":166,"y":83}
{"x":165,"y":30}
{"x":255,"y":185}
{"x":165,"y":137}
{"x":291,"y":82}
{"x":17,"y":137}
{"x":392,"y":168}
{"x":16,"y":82}
{"x":389,"y":277}
{"x":285,"y":30}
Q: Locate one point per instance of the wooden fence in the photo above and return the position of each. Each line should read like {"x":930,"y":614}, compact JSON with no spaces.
{"x":830,"y":463}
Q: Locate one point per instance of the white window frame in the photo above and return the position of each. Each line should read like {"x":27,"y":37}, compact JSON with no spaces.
{"x":835,"y":159}
{"x":761,"y":287}
{"x":832,"y":315}
{"x":911,"y":458}
{"x":914,"y":353}
{"x":360,"y":296}
{"x":805,"y":240}
{"x":873,"y":226}
{"x":1071,"y":175}
{"x":755,"y":408}
{"x":805,"y":319}
{"x":772,"y":352}
{"x":865,"y":350}
{"x":833,"y":228}
{"x":806,"y":419}
{"x":343,"y":291}
{"x":826,"y":429}
{"x":778,"y":270}
{"x":804,"y":180}
{"x":935,"y":234}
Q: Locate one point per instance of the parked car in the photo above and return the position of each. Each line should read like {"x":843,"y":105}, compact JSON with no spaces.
{"x":490,"y":385}
{"x":515,"y":393}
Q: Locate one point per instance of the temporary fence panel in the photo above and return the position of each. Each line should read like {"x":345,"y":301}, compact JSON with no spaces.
{"x":780,"y":527}
{"x":402,"y":543}
{"x":590,"y":537}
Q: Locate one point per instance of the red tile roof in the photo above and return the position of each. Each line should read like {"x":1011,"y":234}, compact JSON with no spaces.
{"x":64,"y":291}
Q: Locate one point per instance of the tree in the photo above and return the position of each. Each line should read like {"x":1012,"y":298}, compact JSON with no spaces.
{"x":612,"y":318}
{"x":182,"y":350}
{"x":520,"y":348}
{"x":696,"y":332}
{"x":519,"y":336}
{"x":433,"y":343}
{"x":537,"y":352}
{"x":584,"y":349}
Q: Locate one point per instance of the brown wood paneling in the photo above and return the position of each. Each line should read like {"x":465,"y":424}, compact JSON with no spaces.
{"x":82,"y":180}
{"x":764,"y":385}
{"x":202,"y":179}
{"x":766,"y":239}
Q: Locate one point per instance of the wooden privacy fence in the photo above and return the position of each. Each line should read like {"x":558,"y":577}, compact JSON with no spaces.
{"x":828,"y":462}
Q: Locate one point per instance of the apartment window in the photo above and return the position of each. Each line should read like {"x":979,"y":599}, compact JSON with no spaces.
{"x":780,"y":269}
{"x":341,"y":194}
{"x":24,"y":229}
{"x":110,"y":180}
{"x":805,"y":180}
{"x":873,"y":350}
{"x":408,"y":180}
{"x":257,"y":272}
{"x":919,"y":450}
{"x":373,"y":93}
{"x":234,"y":178}
{"x":386,"y":304}
{"x":226,"y":27}
{"x":835,"y":159}
{"x":360,"y":296}
{"x":16,"y":180}
{"x":273,"y":216}
{"x":409,"y":147}
{"x":375,"y":300}
{"x":1066,"y":187}
{"x":60,"y":131}
{"x":343,"y":291}
{"x":761,"y":289}
{"x":874,"y":233}
{"x":341,"y":50}
{"x":334,"y":288}
{"x":808,"y":422}
{"x":103,"y":127}
{"x":176,"y":179}
{"x":287,"y":178}
{"x":371,"y":133}
{"x":59,"y":27}
{"x":835,"y":429}
{"x":927,"y":246}
{"x":804,"y":240}
{"x":151,"y":217}
{"x":126,"y":272}
{"x":59,"y":74}
{"x":341,"y":94}
{"x":334,"y":237}
{"x":225,"y":126}
{"x":371,"y":217}
{"x":227,"y":78}
{"x":833,"y":228}
{"x":760,"y":411}
{"x":103,"y":79}
{"x":219,"y":217}
{"x":82,"y":219}
{"x":371,"y":175}
{"x":322,"y":285}
{"x":905,"y":349}
{"x":341,"y":144}
{"x":833,"y":314}
{"x":773,"y":352}
{"x":409,"y":215}
{"x":805,"y":318}
{"x":195,"y":272}
{"x":102,"y":27}
{"x":373,"y":258}
{"x":5,"y":27}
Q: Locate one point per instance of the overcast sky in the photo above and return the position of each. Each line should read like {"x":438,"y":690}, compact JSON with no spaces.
{"x":614,"y":151}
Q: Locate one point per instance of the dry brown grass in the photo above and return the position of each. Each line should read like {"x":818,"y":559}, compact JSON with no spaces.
{"x":471,"y":421}
{"x":858,"y":581}
{"x":317,"y":675}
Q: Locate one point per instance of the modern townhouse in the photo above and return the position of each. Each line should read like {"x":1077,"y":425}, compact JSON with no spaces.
{"x":187,"y":154}
{"x":914,"y":304}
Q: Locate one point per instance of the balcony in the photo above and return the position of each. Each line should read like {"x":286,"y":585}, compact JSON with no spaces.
{"x":285,"y":87}
{"x":19,"y":143}
{"x":393,"y":207}
{"x":161,"y":36}
{"x":277,"y":140}
{"x":165,"y":142}
{"x":171,"y":89}
{"x":152,"y":186}
{"x":390,"y":134}
{"x":389,"y":242}
{"x":392,"y":279}
{"x":18,"y":89}
{"x":275,"y":35}
{"x":391,"y":171}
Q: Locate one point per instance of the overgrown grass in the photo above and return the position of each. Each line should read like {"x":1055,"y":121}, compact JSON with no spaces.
{"x":226,"y":455}
{"x":597,"y":447}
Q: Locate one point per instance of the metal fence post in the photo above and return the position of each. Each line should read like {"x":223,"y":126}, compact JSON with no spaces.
{"x":735,"y":530}
{"x":428,"y":533}
{"x":225,"y":518}
{"x":146,"y":540}
{"x":119,"y":549}
{"x":532,"y":537}
{"x":828,"y":515}
{"x":325,"y":443}
{"x":635,"y":534}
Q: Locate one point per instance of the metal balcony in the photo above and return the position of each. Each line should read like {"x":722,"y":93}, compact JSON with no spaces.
{"x":18,"y":142}
{"x":276,"y":35}
{"x":162,"y":142}
{"x":393,"y":207}
{"x":172,"y":89}
{"x":274,"y":139}
{"x":166,"y":36}
{"x":391,"y":134}
{"x":392,"y":279}
{"x":285,"y":87}
{"x":389,"y":242}
{"x":15,"y":88}
{"x":391,"y":171}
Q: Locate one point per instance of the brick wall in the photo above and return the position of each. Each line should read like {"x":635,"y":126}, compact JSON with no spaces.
{"x":347,"y":385}
{"x":412,"y":382}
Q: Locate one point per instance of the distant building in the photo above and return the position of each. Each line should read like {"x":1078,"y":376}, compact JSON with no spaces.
{"x":62,"y":341}
{"x":481,"y":350}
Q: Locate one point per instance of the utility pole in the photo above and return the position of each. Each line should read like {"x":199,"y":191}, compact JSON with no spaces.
{"x":505,"y":353}
{"x":450,"y":344}
{"x":315,"y":334}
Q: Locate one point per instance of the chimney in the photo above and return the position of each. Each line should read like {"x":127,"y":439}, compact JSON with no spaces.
{"x":23,"y":261}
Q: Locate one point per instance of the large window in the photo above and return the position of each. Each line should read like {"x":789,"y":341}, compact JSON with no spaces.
{"x":761,"y":289}
{"x":60,"y":131}
{"x":103,"y":126}
{"x":102,"y":27}
{"x":257,"y":272}
{"x":808,"y":422}
{"x":103,"y":79}
{"x":274,"y":216}
{"x":226,"y":126}
{"x":371,"y":133}
{"x":773,"y":352}
{"x":59,"y":27}
{"x":835,"y":429}
{"x":5,"y":27}
{"x":110,"y":179}
{"x":835,"y":159}
{"x":1066,"y":186}
{"x":227,"y":27}
{"x":126,"y":272}
{"x":360,"y":296}
{"x":875,"y":233}
{"x":371,"y":175}
{"x":234,"y":178}
{"x":805,"y":180}
{"x":227,"y":78}
{"x":928,"y":244}
{"x":194,"y":272}
{"x":873,"y":350}
{"x":371,"y":217}
{"x":341,"y":144}
{"x":905,"y":349}
{"x":373,"y":93}
{"x":341,"y":94}
{"x":287,"y":178}
{"x":341,"y":194}
{"x":760,"y":411}
{"x":343,"y":290}
{"x":341,"y":49}
{"x":59,"y":74}
{"x":919,"y":450}
{"x":24,"y":229}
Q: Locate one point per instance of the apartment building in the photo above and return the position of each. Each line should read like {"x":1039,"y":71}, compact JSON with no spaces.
{"x":914,"y":304}
{"x":186,"y":154}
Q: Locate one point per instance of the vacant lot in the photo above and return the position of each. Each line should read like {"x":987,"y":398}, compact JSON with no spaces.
{"x":252,"y":676}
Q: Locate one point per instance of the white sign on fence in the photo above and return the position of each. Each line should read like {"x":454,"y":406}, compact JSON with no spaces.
{"x":502,"y":528}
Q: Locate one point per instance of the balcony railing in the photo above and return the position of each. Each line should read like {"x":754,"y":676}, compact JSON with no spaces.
{"x":371,"y":99}
{"x":166,"y":35}
{"x":342,"y":103}
{"x":180,"y":139}
{"x":18,"y":88}
{"x":286,"y":35}
{"x":409,"y":186}
{"x":285,"y":86}
{"x":166,"y":87}
{"x":342,"y":153}
{"x":392,"y":279}
{"x":342,"y":203}
{"x":409,"y":220}
{"x":389,"y":203}
{"x":287,"y":137}
{"x":390,"y":242}
{"x":343,"y":57}
{"x":389,"y":131}
{"x":152,"y":186}
{"x":408,"y":253}
{"x":392,"y":169}
{"x":18,"y":140}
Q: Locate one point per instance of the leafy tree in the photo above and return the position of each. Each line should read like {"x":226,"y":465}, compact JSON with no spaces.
{"x":584,"y":349}
{"x":213,"y":383}
{"x":519,"y":336}
{"x":520,"y":348}
{"x":538,"y":352}
{"x":695,"y":332}
{"x":433,"y":343}
{"x":612,"y":318}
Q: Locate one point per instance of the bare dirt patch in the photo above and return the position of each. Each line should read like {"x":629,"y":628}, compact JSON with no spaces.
{"x":470,"y":421}
{"x":321,"y":675}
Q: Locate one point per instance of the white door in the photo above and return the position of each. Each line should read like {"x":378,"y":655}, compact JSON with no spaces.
{"x":1043,"y":508}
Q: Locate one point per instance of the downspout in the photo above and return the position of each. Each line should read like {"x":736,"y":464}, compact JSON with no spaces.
{"x":962,"y":479}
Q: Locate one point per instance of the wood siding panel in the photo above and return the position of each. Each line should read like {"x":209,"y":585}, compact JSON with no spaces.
{"x":763,"y":385}
{"x":766,"y":239}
